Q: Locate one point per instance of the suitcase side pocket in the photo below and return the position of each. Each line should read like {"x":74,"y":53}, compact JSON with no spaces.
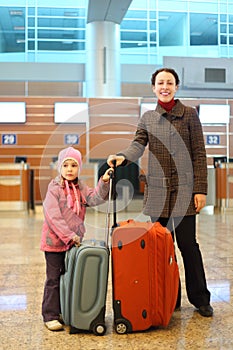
{"x":88,"y":296}
{"x":66,"y":281}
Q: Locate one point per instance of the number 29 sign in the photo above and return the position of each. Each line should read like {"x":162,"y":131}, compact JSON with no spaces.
{"x":8,"y":139}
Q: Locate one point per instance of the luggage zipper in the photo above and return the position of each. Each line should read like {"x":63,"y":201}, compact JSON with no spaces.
{"x":167,"y":263}
{"x":153,"y":275}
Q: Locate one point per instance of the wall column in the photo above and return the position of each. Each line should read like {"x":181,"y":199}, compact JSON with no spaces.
{"x":102,"y":73}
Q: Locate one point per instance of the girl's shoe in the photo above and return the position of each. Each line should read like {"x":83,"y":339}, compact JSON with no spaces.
{"x":54,"y":325}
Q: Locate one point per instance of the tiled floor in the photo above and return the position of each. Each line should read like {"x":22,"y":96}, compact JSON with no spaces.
{"x":22,"y":273}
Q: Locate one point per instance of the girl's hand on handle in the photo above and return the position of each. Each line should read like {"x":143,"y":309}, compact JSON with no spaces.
{"x":119,"y":160}
{"x":76,"y":240}
{"x":106,"y":175}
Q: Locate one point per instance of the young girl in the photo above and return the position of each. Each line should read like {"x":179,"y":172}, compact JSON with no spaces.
{"x":64,"y":211}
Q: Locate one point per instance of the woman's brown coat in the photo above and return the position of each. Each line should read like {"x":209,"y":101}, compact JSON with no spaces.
{"x":177,"y":166}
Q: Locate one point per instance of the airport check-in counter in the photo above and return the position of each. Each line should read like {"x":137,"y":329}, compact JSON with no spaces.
{"x":224,"y":185}
{"x":211,"y":196}
{"x":16,"y":187}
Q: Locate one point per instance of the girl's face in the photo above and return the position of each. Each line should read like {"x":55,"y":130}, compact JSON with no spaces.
{"x":69,"y":170}
{"x":165,"y":86}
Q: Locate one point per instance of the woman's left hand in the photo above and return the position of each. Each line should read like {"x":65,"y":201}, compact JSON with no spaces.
{"x":199,"y":201}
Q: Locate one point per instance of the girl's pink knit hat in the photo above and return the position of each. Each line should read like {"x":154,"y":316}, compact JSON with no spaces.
{"x":69,"y":153}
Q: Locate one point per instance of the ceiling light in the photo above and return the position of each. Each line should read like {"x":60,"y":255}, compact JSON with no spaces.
{"x":70,"y":14}
{"x":196,"y":33}
{"x":19,"y":28}
{"x":163,"y":18}
{"x":16,"y":13}
{"x":211,"y":19}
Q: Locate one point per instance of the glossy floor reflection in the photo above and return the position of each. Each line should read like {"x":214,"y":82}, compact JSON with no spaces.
{"x":22,"y":273}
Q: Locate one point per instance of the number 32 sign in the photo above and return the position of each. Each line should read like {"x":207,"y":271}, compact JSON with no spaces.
{"x":213,"y":140}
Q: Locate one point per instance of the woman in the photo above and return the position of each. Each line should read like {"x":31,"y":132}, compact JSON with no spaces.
{"x":176,"y":183}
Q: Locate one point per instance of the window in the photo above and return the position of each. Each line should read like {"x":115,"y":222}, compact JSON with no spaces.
{"x":215,"y":75}
{"x":171,"y":27}
{"x":204,"y":29}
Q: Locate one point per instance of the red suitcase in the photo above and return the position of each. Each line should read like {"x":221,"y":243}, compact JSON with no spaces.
{"x":145,"y":276}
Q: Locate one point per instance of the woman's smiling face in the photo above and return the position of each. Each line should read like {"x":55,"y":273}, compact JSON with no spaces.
{"x":165,"y":86}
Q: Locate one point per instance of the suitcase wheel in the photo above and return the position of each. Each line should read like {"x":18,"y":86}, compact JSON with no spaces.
{"x":99,"y":329}
{"x":122,"y":326}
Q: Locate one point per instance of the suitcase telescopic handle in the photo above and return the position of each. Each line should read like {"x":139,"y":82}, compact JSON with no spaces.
{"x":111,"y":196}
{"x":114,"y":194}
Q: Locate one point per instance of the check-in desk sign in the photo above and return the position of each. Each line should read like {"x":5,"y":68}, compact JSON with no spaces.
{"x":71,"y":139}
{"x":213,"y":140}
{"x":9,"y":139}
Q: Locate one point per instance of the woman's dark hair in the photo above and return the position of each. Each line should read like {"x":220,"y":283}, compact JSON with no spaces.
{"x":168,"y":70}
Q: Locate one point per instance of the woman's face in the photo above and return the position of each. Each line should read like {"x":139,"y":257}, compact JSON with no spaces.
{"x":165,"y":86}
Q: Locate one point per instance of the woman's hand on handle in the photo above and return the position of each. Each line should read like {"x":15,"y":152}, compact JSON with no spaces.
{"x":119,"y":160}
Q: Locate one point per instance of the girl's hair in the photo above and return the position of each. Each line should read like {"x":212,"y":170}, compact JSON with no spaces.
{"x":168,"y":70}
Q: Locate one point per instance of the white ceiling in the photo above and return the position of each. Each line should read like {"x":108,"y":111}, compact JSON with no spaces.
{"x":107,"y":10}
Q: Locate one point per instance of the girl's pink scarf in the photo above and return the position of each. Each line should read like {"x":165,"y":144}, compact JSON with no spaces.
{"x":76,"y":206}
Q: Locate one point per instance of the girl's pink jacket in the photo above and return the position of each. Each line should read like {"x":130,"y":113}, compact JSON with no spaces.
{"x":61,"y":223}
